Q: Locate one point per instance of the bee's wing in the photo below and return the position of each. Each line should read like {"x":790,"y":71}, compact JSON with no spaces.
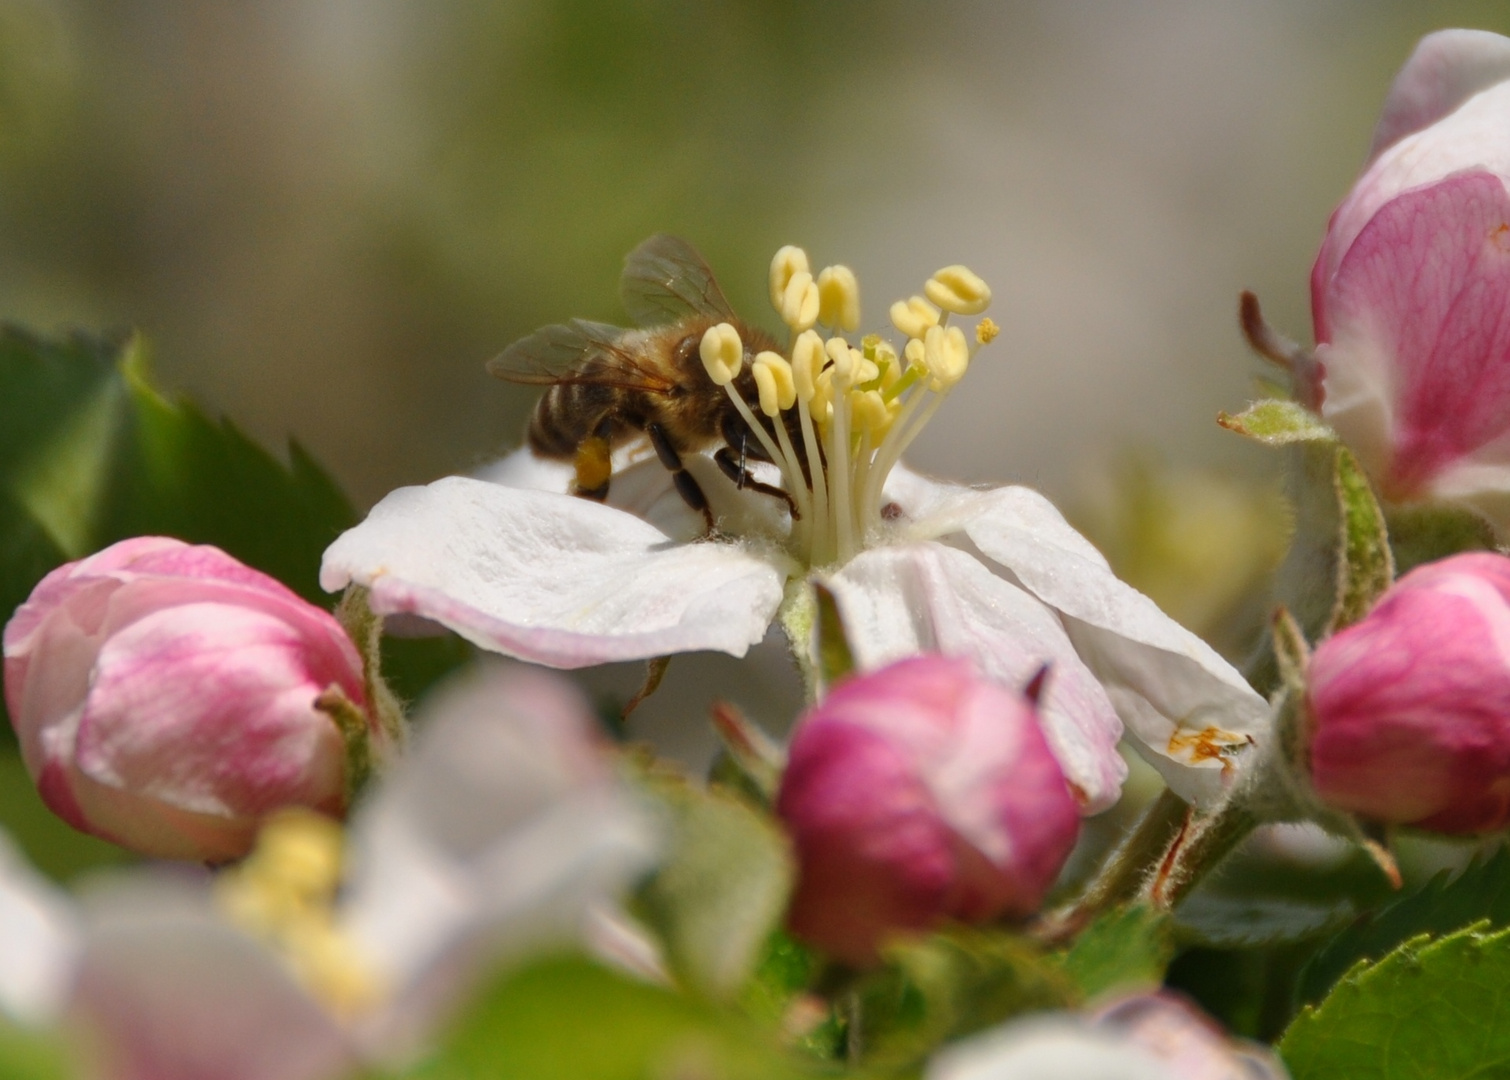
{"x":578,"y":351}
{"x":665,"y":279}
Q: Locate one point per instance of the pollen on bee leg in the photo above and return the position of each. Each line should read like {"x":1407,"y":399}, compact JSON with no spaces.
{"x":594,"y":468}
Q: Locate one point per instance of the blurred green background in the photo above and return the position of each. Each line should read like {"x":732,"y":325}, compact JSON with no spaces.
{"x":326,"y":215}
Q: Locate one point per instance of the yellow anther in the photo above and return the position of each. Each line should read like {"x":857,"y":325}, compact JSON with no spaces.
{"x":822,"y":405}
{"x":946,"y":355}
{"x":916,"y":354}
{"x":774,"y":379}
{"x":914,"y":316}
{"x":843,"y":358}
{"x":959,"y":290}
{"x":839,"y":298}
{"x":722,"y":353}
{"x":789,"y":261}
{"x":870,"y":411}
{"x":986,"y":331}
{"x":799,"y":304}
{"x":866,"y":371}
{"x":808,"y":359}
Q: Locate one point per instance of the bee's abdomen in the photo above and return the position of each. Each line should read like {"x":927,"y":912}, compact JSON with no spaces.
{"x":566,"y":415}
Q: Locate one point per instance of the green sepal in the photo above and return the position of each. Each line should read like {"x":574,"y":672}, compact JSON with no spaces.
{"x":1365,"y":563}
{"x":1276,"y":422}
{"x":365,"y":628}
{"x":722,"y":890}
{"x":836,"y":660}
{"x":1125,"y":949}
{"x":948,"y":985}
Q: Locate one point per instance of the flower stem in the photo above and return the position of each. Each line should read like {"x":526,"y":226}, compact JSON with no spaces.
{"x":1125,"y":870}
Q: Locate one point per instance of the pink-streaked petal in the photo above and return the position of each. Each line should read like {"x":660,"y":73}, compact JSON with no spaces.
{"x":1419,"y":361}
{"x":553,"y":579}
{"x":210,"y":708}
{"x":1057,"y":1046}
{"x":168,"y":991}
{"x":1181,"y":702}
{"x":1445,"y":70}
{"x":1473,"y":137}
{"x":926,"y":597}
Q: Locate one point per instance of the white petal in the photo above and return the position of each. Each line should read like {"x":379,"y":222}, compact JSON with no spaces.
{"x":552,"y":578}
{"x":1046,"y":1048}
{"x":1445,"y":70}
{"x":898,"y":601}
{"x":1184,"y":706}
{"x":172,"y":990}
{"x":501,"y":832}
{"x":38,"y":940}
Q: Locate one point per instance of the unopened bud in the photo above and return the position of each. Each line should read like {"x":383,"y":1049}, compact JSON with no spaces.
{"x":722,"y":353}
{"x":914,"y":316}
{"x":169,"y":697}
{"x":839,"y":298}
{"x":957,"y":289}
{"x":1409,"y":705}
{"x":892,"y":778}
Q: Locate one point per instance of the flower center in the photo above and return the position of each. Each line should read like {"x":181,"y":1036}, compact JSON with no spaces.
{"x":838,"y":417}
{"x":283,"y":893}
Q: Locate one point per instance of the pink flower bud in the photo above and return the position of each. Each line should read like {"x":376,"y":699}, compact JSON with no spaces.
{"x":1411,"y":706}
{"x":164,"y":696}
{"x":916,"y":793}
{"x":1412,"y":282}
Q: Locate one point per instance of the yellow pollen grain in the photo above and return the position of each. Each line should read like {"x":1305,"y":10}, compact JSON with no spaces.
{"x":722,"y":353}
{"x":958,"y":290}
{"x":986,"y":331}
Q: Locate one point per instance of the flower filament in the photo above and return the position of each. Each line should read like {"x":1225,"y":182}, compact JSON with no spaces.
{"x":855,"y":408}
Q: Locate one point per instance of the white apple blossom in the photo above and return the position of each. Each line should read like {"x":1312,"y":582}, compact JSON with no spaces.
{"x":502,"y":833}
{"x":517,"y":565}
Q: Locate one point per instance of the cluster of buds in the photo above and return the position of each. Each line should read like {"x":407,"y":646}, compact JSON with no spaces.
{"x":856,"y":409}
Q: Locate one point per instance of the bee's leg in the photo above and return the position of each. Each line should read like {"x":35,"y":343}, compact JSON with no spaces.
{"x":594,"y":462}
{"x":743,"y":478}
{"x":686,"y":484}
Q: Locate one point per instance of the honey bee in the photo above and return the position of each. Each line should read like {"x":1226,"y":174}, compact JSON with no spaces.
{"x":608,"y":386}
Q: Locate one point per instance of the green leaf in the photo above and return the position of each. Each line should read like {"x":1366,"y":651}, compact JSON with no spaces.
{"x":91,"y":454}
{"x":1277,"y":423}
{"x":569,"y":1019}
{"x":1429,"y":1009}
{"x":1443,"y":904}
{"x":1365,"y":564}
{"x":1127,"y":948}
{"x":31,"y":1055}
{"x":716,"y":900}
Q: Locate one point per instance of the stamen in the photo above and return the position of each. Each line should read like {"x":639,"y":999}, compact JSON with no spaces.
{"x":807,"y":362}
{"x":959,"y":290}
{"x":914,"y":316}
{"x":722,"y":353}
{"x":778,"y":392}
{"x":839,"y":298}
{"x":799,"y":303}
{"x":789,"y":261}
